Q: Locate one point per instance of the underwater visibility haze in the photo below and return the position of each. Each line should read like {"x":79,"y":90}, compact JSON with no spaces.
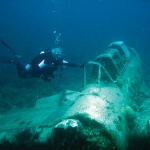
{"x":82,"y":28}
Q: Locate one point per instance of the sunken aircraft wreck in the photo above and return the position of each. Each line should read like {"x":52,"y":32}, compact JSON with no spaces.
{"x":110,"y":113}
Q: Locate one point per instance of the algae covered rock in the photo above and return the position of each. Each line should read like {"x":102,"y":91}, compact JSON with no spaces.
{"x":130,"y":116}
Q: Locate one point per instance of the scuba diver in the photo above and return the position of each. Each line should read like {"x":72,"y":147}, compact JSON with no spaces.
{"x":45,"y":65}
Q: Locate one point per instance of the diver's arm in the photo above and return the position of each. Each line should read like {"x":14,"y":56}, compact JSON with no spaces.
{"x":70,"y":64}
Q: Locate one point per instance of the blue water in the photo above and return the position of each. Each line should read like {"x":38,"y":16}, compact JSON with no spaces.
{"x":83,"y":28}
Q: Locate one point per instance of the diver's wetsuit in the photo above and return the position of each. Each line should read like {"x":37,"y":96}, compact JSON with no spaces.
{"x":44,"y":66}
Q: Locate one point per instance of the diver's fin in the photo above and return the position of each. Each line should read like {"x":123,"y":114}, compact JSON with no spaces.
{"x":7,"y":46}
